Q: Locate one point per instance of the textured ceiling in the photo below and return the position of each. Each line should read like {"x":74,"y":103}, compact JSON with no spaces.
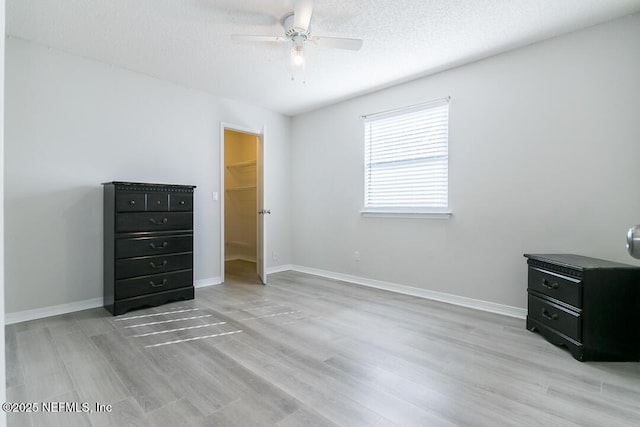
{"x":188,"y":41}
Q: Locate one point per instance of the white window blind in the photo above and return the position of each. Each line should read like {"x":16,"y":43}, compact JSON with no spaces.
{"x":407,"y":159}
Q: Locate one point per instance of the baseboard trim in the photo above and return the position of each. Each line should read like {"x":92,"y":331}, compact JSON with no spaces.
{"x":54,"y":310}
{"x":279,"y":268}
{"x":210,"y":281}
{"x":491,"y":307}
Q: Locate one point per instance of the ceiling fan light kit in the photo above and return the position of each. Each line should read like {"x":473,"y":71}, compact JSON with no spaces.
{"x":298,"y":37}
{"x":298,"y":62}
{"x":297,"y":55}
{"x":297,"y":33}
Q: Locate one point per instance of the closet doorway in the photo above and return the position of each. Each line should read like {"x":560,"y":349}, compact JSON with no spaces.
{"x":242,"y":206}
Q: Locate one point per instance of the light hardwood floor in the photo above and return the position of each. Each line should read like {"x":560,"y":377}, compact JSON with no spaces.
{"x":308,"y":351}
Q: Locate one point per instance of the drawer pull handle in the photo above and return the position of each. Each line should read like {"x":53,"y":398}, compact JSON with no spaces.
{"x":153,"y":221}
{"x":546,"y":315}
{"x":132,"y":202}
{"x":154,"y":246}
{"x":552,"y":287}
{"x":153,"y":265}
{"x":182,"y":202}
{"x":157,"y":285}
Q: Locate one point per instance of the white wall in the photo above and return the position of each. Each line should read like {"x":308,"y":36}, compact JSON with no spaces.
{"x":544,"y":150}
{"x":3,"y":391}
{"x":72,"y":124}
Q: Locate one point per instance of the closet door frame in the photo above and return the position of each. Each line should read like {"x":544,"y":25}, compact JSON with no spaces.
{"x":261,"y":259}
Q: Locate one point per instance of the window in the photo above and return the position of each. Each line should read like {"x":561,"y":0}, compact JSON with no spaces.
{"x":407,"y":160}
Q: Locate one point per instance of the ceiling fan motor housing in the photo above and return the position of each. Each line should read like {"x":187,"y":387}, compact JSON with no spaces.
{"x":293,"y":33}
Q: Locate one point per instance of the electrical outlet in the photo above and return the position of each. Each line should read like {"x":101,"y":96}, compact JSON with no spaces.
{"x":356,"y":255}
{"x":274,"y":255}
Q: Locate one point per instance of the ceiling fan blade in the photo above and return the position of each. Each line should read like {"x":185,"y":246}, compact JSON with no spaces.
{"x":302,"y":14}
{"x":338,"y":43}
{"x":248,"y":38}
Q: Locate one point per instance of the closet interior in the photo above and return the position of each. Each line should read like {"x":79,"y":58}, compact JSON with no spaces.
{"x":240,"y":208}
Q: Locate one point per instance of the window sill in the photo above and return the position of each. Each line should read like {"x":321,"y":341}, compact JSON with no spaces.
{"x":406,"y":214}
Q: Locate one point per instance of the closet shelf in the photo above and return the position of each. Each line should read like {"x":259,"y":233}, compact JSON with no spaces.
{"x":240,"y":243}
{"x":244,"y":188}
{"x":241,"y":164}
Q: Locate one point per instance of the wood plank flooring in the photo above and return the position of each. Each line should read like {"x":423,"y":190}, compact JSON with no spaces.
{"x":308,"y":351}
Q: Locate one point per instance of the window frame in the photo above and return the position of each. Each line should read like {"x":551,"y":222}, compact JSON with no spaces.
{"x":433,"y":212}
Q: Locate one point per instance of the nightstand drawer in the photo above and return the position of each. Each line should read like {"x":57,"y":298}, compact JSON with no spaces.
{"x":563,"y":288}
{"x":130,"y":222}
{"x":128,"y":288}
{"x":565,"y":321}
{"x":153,"y":265}
{"x":128,"y":248}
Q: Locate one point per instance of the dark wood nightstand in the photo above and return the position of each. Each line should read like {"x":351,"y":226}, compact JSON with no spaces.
{"x":589,"y":305}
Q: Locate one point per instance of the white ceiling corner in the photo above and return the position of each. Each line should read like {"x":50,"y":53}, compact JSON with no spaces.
{"x":188,"y":41}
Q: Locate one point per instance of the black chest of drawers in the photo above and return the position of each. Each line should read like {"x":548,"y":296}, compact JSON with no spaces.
{"x":148,"y":245}
{"x":589,"y":305}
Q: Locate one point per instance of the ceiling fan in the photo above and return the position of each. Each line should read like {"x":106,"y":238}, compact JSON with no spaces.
{"x":297,"y":33}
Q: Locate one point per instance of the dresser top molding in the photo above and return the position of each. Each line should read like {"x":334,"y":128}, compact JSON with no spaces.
{"x":143,"y":186}
{"x":578,"y":262}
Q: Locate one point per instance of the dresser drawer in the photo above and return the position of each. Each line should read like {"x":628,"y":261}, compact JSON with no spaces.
{"x":563,"y":288}
{"x":155,"y":283}
{"x":130,"y":202}
{"x":552,"y":315}
{"x":180,"y":202}
{"x":127,"y":248}
{"x":157,"y":202}
{"x":141,"y":266}
{"x":129,"y":222}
